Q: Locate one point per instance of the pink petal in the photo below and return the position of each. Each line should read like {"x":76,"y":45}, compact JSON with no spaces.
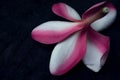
{"x":92,"y":10}
{"x":97,"y":50}
{"x":68,"y":53}
{"x":65,"y":11}
{"x":54,"y":31}
{"x":107,"y":20}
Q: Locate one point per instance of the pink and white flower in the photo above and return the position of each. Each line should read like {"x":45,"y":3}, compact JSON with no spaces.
{"x":77,"y":40}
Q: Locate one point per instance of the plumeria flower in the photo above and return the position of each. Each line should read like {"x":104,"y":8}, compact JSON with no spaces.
{"x":77,"y":40}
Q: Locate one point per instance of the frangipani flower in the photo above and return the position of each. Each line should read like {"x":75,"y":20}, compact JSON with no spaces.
{"x":77,"y":40}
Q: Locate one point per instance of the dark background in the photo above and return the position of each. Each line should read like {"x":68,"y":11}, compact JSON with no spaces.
{"x":22,"y":58}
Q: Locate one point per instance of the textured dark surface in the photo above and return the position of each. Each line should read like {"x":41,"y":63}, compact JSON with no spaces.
{"x":22,"y":58}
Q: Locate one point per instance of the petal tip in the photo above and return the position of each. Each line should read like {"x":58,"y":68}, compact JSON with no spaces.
{"x":56,"y":6}
{"x":54,"y":71}
{"x":33,"y":34}
{"x":95,"y":68}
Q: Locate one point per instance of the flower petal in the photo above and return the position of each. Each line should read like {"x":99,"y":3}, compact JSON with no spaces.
{"x":105,"y":21}
{"x":68,"y":53}
{"x":65,"y":11}
{"x":97,"y":50}
{"x":92,"y":10}
{"x":54,"y":31}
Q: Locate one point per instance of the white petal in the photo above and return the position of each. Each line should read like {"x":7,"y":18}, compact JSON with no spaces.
{"x":67,"y":54}
{"x":65,"y":11}
{"x":107,"y":20}
{"x":92,"y":57}
{"x":54,"y":31}
{"x":96,"y":51}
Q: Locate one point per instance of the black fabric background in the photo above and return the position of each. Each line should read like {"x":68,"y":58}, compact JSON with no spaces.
{"x":22,"y":58}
